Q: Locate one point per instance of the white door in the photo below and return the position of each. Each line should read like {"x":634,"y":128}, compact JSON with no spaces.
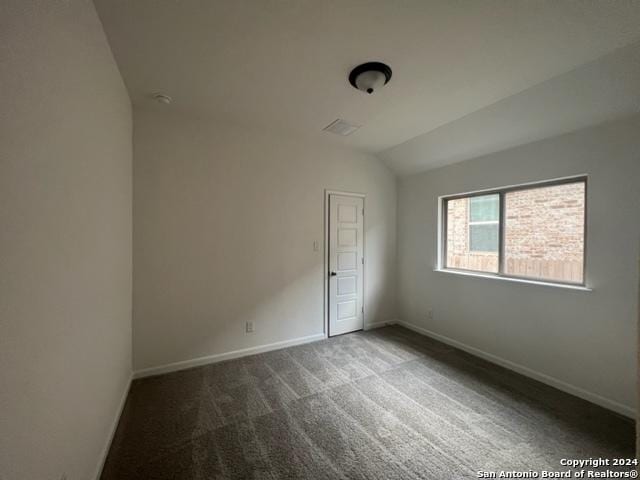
{"x":346,"y":264}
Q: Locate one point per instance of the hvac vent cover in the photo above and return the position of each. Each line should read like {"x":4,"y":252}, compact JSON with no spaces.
{"x":341,"y":127}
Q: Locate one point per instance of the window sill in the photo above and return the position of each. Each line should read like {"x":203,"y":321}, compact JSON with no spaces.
{"x":515,"y":280}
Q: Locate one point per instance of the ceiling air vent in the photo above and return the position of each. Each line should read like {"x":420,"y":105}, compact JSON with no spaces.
{"x":341,"y":127}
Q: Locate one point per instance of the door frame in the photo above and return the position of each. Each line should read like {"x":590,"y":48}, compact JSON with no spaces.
{"x":325,"y":269}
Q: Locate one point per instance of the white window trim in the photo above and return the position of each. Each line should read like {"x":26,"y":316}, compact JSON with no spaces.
{"x":544,"y":283}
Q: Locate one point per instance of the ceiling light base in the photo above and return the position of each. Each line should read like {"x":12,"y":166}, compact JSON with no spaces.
{"x":370,"y":76}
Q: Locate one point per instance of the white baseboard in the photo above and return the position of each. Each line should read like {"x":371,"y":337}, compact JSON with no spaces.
{"x":607,"y":403}
{"x":219,"y":357}
{"x":371,"y":326}
{"x":112,"y":432}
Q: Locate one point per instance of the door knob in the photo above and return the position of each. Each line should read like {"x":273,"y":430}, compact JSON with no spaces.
{"x":333,"y":274}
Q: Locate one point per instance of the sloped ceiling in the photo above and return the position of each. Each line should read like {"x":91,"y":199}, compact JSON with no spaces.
{"x":283,"y":65}
{"x":600,"y":91}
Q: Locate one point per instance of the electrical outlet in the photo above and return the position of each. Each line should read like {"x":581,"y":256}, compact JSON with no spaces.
{"x":316,"y":246}
{"x":430,"y":314}
{"x":249,"y":327}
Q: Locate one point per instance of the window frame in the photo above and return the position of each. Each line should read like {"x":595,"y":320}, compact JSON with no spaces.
{"x":501,"y":192}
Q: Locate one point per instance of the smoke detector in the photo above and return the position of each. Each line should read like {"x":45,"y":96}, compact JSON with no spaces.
{"x":370,"y":76}
{"x":341,"y":127}
{"x":162,"y":98}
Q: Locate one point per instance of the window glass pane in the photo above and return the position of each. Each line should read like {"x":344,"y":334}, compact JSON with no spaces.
{"x":461,"y":235}
{"x":544,"y":232}
{"x":483,"y":237}
{"x":484,"y":208}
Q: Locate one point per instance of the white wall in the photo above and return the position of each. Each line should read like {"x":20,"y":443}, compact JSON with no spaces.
{"x":65,"y":240}
{"x":225,"y":220}
{"x":585,"y":339}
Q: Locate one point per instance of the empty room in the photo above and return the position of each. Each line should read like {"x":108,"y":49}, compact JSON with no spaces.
{"x":319,"y":239}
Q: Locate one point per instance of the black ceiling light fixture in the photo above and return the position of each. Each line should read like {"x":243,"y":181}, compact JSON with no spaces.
{"x":370,"y":76}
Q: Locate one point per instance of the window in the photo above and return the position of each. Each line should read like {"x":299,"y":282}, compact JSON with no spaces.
{"x":484,"y":213}
{"x":532,"y":231}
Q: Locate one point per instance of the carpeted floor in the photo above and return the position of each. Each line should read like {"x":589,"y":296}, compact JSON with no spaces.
{"x":383,"y":404}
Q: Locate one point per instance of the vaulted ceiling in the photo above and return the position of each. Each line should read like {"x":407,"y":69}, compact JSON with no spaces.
{"x":283,"y":65}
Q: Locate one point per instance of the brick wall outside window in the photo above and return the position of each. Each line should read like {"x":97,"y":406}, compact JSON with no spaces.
{"x":544,"y":234}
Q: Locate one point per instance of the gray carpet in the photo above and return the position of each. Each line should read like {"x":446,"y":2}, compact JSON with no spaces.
{"x":382,"y":404}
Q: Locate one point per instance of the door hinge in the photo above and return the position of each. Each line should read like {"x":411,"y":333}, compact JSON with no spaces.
{"x":363,"y":212}
{"x":362,"y":310}
{"x":363,"y":260}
